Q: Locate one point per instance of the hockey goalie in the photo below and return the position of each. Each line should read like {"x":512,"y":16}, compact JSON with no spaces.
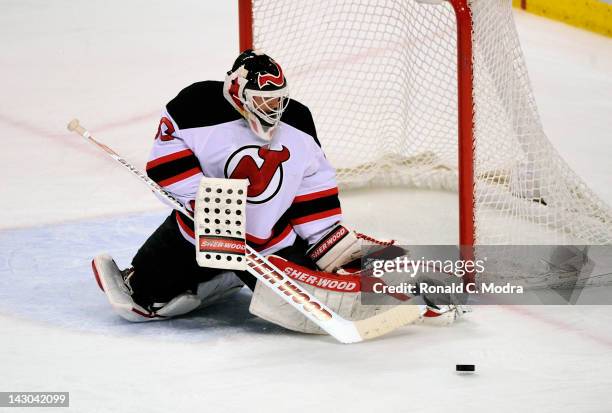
{"x":248,"y":128}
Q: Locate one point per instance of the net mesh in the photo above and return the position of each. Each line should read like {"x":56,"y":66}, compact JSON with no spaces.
{"x":380,"y":78}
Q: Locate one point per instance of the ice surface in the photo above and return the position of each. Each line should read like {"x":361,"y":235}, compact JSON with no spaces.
{"x":114,"y":64}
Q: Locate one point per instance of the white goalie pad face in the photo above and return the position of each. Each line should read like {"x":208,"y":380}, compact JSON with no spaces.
{"x":340,"y":293}
{"x":220,"y":223}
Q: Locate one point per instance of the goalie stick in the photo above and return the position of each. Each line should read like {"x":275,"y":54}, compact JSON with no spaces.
{"x":343,"y":330}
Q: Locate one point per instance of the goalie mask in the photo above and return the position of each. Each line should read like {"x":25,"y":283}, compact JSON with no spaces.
{"x":256,"y":87}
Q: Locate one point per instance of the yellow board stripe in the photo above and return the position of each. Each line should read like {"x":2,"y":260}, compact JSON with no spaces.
{"x":593,"y":15}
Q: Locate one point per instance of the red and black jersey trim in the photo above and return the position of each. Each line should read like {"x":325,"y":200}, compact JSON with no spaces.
{"x":173,"y":168}
{"x":311,"y":207}
{"x":280,"y":230}
{"x":185,"y":223}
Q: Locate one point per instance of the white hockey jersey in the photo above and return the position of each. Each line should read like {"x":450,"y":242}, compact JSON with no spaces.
{"x":292,"y":187}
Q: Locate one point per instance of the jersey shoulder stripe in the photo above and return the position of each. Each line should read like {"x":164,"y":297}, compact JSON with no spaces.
{"x":172,"y":168}
{"x":201,"y":104}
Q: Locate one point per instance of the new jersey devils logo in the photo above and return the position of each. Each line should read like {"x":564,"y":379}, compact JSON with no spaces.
{"x":262,"y":167}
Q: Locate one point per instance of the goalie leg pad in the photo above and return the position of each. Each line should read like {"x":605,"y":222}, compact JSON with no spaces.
{"x":222,"y":286}
{"x":179,"y":305}
{"x":210,"y":292}
{"x":341,"y":293}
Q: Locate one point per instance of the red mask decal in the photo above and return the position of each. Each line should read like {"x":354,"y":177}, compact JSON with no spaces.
{"x":278,"y":80}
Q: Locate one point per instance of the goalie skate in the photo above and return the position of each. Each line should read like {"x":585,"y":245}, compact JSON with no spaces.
{"x":115,"y":285}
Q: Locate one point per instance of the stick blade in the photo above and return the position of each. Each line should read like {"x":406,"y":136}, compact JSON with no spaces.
{"x":388,"y":321}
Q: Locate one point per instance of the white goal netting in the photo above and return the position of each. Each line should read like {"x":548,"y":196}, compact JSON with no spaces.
{"x":380,"y":77}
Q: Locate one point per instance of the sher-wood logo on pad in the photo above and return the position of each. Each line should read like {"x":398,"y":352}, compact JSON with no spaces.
{"x":221,"y":244}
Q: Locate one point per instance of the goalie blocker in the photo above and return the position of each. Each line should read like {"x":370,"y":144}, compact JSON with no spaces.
{"x":220,"y":223}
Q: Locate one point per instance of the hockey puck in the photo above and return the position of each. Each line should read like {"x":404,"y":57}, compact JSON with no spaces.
{"x":465,"y":368}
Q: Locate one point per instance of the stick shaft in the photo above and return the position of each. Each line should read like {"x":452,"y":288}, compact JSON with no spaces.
{"x":84,"y":133}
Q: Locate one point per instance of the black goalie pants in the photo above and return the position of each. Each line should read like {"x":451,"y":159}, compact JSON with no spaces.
{"x":165,"y":265}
